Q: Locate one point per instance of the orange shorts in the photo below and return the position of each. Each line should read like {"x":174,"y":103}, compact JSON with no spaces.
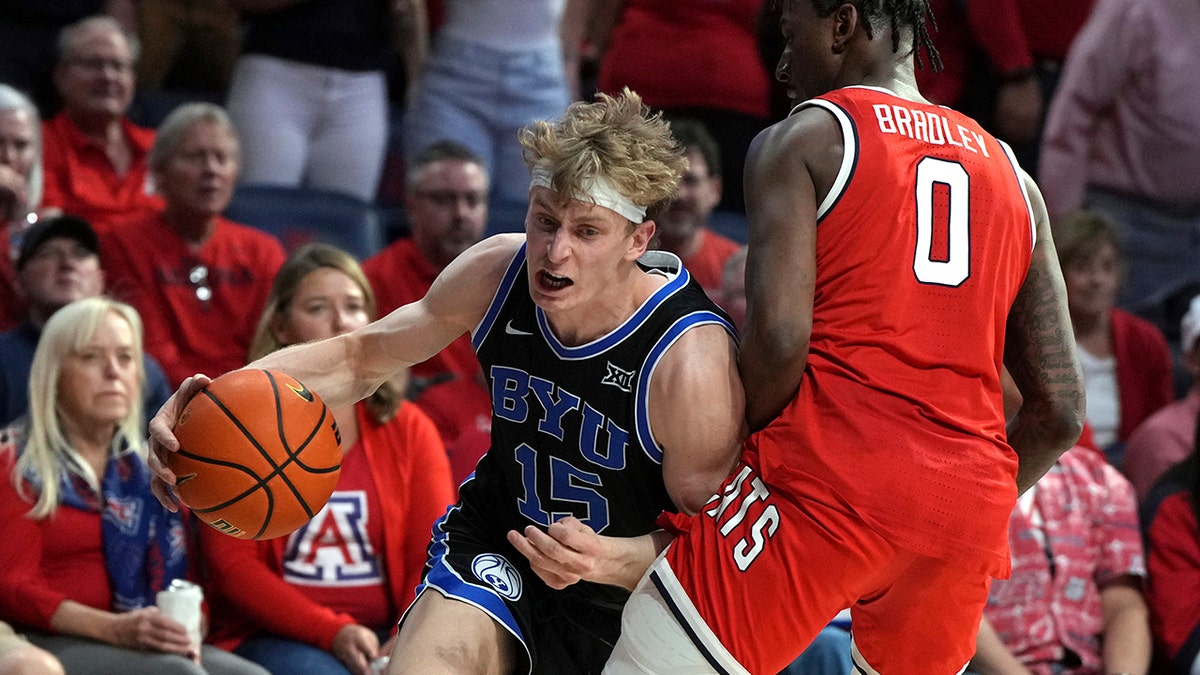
{"x":763,"y":568}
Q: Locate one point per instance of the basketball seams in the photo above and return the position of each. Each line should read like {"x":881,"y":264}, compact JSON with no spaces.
{"x":287,"y":448}
{"x":235,"y":410}
{"x":313,"y":434}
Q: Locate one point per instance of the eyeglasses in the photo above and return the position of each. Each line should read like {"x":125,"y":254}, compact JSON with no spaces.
{"x":447,"y":199}
{"x":198,"y":276}
{"x":97,"y":64}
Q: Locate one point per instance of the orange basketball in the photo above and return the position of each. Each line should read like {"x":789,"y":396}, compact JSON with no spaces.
{"x":258,"y":454}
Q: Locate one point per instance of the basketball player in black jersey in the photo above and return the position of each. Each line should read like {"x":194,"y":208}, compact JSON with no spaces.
{"x":615,"y":394}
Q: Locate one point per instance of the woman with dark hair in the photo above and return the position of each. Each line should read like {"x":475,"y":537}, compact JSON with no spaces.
{"x":336,"y":587}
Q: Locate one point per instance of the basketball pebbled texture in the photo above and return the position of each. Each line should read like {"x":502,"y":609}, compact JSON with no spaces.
{"x":258,"y":454}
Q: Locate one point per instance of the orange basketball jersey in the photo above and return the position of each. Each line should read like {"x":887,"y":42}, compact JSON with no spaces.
{"x":921,"y":247}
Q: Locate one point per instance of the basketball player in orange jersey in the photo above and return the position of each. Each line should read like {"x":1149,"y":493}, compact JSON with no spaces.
{"x":615,"y":394}
{"x":898,"y":257}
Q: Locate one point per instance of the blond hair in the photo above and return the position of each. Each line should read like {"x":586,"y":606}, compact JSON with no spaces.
{"x":47,"y":451}
{"x":616,"y":138}
{"x":385,"y":402}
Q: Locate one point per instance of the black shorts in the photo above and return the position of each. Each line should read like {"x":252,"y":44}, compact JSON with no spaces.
{"x":560,"y":632}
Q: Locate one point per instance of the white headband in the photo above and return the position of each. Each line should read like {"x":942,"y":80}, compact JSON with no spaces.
{"x":599,"y":191}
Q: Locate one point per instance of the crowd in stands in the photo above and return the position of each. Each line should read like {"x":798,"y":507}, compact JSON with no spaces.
{"x":127,"y":127}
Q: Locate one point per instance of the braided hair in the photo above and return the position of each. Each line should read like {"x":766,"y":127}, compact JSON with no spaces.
{"x":900,"y":14}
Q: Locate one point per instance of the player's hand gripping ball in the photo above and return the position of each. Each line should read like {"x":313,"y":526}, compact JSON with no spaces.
{"x":258,"y":454}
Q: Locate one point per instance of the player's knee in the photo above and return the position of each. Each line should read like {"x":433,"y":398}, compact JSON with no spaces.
{"x":440,"y":636}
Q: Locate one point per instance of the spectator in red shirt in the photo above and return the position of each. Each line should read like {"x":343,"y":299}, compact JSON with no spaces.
{"x":84,"y":546}
{"x":461,"y":409}
{"x":336,"y":586}
{"x":447,"y":205}
{"x":1075,"y":602}
{"x":95,"y":157}
{"x":1126,"y":361}
{"x":683,"y":227}
{"x":198,"y":280}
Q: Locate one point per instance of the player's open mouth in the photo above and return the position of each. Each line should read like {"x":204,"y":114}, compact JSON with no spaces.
{"x":553,"y":282}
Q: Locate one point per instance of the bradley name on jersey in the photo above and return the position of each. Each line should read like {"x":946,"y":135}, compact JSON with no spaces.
{"x":927,"y":126}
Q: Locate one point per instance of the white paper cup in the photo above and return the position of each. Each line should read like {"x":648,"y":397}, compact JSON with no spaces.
{"x":181,"y":601}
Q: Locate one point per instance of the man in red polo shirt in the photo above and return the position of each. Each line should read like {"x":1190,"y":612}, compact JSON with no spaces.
{"x":94,"y":157}
{"x":447,"y":205}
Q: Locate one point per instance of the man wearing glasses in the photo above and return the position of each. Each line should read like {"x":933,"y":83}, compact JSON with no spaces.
{"x":447,"y":206}
{"x":57,"y":264}
{"x":95,"y":157}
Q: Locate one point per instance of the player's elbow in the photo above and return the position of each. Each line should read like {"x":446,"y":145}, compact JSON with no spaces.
{"x":1061,"y":423}
{"x":691,"y":494}
{"x":780,"y":341}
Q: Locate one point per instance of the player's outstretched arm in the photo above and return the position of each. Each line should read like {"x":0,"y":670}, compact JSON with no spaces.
{"x":697,"y":413}
{"x":781,"y":210}
{"x":570,"y":551}
{"x":350,"y":367}
{"x":1039,"y":352}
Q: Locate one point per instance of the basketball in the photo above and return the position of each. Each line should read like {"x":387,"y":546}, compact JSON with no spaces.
{"x":258,"y":454}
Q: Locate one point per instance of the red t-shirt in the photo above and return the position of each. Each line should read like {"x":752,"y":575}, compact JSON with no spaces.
{"x":335,"y":558}
{"x":900,"y":408}
{"x":407,"y":462}
{"x":699,"y":54}
{"x":149,"y":266}
{"x":80,"y":179}
{"x":400,"y":275}
{"x":462,"y":411}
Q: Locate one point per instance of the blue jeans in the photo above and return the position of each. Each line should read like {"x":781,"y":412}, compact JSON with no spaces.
{"x":481,"y":97}
{"x":1161,"y":242}
{"x":280,"y":655}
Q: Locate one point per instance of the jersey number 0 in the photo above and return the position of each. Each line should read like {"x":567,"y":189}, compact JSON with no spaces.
{"x":951,"y":221}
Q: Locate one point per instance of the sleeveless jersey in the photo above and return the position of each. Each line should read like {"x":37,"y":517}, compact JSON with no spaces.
{"x":571,"y":432}
{"x":922,"y":244}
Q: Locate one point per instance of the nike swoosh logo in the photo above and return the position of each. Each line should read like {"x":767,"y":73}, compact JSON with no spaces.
{"x":302,"y":392}
{"x":508,"y":328}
